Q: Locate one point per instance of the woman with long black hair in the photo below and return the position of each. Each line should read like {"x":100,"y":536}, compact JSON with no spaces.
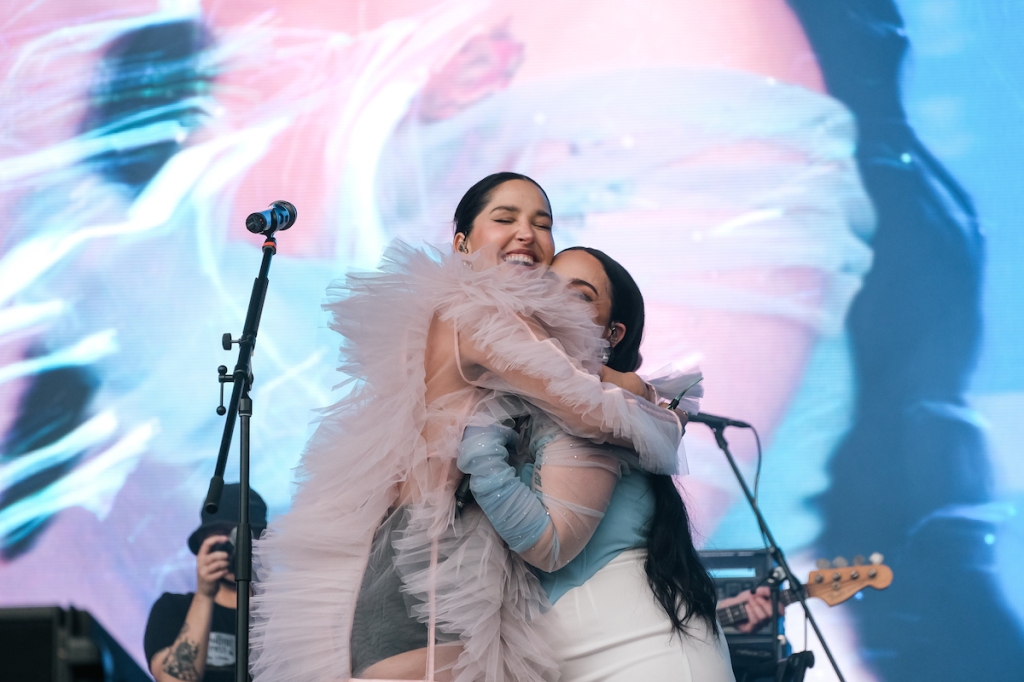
{"x":612,"y":543}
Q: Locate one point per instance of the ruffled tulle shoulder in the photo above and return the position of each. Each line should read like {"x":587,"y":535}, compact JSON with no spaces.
{"x":372,"y":310}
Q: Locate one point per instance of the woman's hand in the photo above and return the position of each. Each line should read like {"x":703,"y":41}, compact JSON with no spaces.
{"x":683,"y":417}
{"x":758,"y":605}
{"x":630,"y":381}
{"x":627,"y":381}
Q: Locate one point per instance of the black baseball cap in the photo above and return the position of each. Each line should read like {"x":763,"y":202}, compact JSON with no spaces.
{"x":226,"y":517}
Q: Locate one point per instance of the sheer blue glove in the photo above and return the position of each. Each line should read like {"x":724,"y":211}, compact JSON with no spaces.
{"x":513,"y":509}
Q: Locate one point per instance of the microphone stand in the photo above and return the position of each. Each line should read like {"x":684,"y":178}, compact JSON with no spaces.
{"x":773,"y":548}
{"x":240,"y":405}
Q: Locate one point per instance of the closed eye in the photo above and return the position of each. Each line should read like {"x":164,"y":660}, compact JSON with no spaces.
{"x":580,"y":284}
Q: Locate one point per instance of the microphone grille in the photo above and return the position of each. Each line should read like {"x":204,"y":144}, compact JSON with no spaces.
{"x":256,"y":223}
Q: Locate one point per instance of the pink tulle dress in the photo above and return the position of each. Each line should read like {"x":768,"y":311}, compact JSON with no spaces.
{"x":427,"y":339}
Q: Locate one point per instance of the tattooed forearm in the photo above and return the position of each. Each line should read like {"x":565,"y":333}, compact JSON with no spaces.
{"x":181,"y":660}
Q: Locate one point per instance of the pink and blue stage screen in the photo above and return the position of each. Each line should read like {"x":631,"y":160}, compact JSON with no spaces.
{"x":820,"y":200}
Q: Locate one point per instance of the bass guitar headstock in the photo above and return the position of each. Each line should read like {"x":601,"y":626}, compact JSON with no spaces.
{"x":835,"y":582}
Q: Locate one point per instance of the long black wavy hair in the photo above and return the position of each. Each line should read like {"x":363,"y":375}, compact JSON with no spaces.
{"x":674,"y":570}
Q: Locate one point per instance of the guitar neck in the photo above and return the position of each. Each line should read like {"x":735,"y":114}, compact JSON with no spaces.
{"x":832,"y":585}
{"x":737,"y":613}
{"x":732,"y":615}
{"x":787,"y":597}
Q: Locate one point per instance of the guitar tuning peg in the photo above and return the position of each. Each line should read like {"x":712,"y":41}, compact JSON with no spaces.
{"x":840,"y":562}
{"x":822,"y":564}
{"x":876,"y":558}
{"x":859,"y":560}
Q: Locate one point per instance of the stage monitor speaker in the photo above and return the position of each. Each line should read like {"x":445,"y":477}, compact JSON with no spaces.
{"x":52,"y":644}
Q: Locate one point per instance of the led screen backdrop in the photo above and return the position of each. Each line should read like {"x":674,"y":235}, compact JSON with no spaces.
{"x":820,"y":200}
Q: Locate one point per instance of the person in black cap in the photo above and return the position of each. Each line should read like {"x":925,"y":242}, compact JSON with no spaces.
{"x":191,"y":637}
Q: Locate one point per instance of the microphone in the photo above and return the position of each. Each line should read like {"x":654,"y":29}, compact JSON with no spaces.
{"x":714,"y":421}
{"x":280,"y":216}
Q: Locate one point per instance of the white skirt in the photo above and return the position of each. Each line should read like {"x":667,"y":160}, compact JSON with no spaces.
{"x":611,"y":629}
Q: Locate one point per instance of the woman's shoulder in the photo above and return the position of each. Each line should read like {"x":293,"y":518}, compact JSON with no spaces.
{"x":488,"y":300}
{"x":431,"y":276}
{"x":396,"y":302}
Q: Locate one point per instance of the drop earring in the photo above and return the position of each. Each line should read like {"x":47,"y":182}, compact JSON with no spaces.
{"x":613,"y":337}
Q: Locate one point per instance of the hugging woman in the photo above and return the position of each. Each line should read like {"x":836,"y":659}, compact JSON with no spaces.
{"x":372,"y":536}
{"x":611,"y":542}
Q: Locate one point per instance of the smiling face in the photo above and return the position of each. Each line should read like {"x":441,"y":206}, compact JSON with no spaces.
{"x":516,"y":221}
{"x":587,"y":277}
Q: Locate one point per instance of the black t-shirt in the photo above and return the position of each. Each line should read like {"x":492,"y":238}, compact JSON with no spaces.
{"x":164,"y":625}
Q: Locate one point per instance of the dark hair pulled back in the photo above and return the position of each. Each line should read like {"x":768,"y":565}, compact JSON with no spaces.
{"x":674,"y":570}
{"x":477,"y":196}
{"x":627,"y":309}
